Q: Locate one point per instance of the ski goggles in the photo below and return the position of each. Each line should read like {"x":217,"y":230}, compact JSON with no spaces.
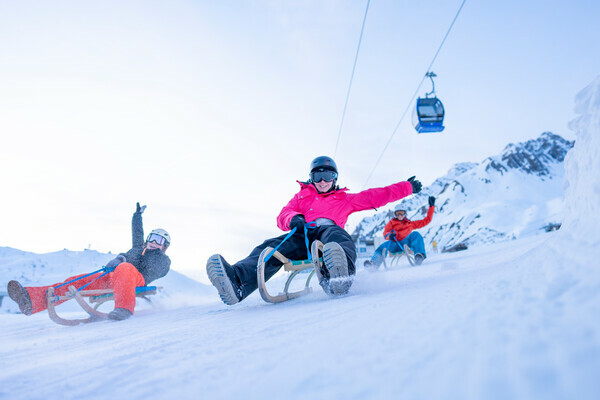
{"x":323,"y":175}
{"x":153,"y":237}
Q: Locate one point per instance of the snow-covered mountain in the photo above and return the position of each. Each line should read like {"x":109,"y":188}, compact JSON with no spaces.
{"x":515,"y":194}
{"x":32,"y":269}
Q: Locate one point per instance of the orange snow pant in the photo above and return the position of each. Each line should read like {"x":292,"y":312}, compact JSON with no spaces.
{"x":123,"y":280}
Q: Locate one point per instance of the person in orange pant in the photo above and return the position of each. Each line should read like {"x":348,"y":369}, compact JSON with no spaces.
{"x":123,"y":280}
{"x":145,"y":262}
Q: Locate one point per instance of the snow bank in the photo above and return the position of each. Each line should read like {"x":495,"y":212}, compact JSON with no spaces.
{"x":582,"y":195}
{"x":565,"y":269}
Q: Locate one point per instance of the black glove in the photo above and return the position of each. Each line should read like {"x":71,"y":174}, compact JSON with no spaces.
{"x":431,"y":201}
{"x":115,"y":261}
{"x":139,"y":209}
{"x":416,"y":185}
{"x":298,"y":221}
{"x":391,"y":235}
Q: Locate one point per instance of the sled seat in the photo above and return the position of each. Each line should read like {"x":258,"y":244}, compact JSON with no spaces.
{"x":140,"y":291}
{"x":94,"y":296}
{"x":396,"y":256}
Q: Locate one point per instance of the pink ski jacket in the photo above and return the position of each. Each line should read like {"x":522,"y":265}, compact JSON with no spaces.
{"x":337,"y":205}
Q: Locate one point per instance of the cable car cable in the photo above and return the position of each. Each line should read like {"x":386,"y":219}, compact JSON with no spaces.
{"x":351,"y":79}
{"x":414,"y":95}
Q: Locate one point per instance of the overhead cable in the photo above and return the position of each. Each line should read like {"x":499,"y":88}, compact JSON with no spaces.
{"x":351,"y":79}
{"x":414,"y":95}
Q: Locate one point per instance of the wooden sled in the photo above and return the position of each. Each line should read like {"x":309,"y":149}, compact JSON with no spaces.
{"x":395,"y":257}
{"x":97,"y":296}
{"x":295,"y":267}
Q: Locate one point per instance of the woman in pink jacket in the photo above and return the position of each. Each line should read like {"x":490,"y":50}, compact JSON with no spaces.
{"x":327,"y":207}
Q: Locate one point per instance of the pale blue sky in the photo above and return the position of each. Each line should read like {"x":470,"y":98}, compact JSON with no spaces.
{"x":209,"y":111}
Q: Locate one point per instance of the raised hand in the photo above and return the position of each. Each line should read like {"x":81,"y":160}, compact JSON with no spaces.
{"x":139,"y":209}
{"x":416,"y":185}
{"x":115,"y":261}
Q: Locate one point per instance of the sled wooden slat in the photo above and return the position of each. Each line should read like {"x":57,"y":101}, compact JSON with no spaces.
{"x":93,"y":292}
{"x":108,"y":295}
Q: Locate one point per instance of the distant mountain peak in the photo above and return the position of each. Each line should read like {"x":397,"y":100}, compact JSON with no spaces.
{"x":532,"y":157}
{"x":515,"y":193}
{"x":461,"y":168}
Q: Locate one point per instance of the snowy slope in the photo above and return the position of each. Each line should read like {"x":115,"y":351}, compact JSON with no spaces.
{"x":512,"y":320}
{"x":516,"y":194}
{"x":486,"y":323}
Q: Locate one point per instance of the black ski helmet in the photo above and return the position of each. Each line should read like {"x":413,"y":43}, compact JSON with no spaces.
{"x":323,"y":162}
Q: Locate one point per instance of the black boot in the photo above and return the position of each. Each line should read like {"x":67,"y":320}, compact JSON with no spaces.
{"x":419,"y":258}
{"x":223,"y":278}
{"x":370,"y":265}
{"x":336,"y":280}
{"x":19,"y":294}
{"x":119,"y":314}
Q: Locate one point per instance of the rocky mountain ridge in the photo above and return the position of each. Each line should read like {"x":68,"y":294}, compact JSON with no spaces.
{"x":514,"y":194}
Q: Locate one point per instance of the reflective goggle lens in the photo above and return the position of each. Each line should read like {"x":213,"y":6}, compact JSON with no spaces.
{"x":153,"y":237}
{"x":323,"y":175}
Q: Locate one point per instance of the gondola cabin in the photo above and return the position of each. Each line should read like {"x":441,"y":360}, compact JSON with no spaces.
{"x":428,"y":115}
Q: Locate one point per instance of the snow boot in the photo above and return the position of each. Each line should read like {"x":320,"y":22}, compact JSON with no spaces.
{"x":336,"y":280}
{"x":370,"y":266}
{"x":19,"y":294}
{"x":223,"y":278}
{"x":119,"y":314}
{"x":419,"y":258}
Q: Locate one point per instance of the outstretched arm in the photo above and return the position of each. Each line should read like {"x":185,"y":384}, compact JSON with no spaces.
{"x":422,"y":222}
{"x":377,"y":197}
{"x":137,"y":226}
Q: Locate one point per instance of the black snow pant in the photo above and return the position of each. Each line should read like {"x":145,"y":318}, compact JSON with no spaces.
{"x":295,"y":249}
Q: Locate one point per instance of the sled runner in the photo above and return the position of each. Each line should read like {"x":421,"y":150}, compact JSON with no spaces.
{"x":395,"y":257}
{"x":97,"y":296}
{"x":295,"y":267}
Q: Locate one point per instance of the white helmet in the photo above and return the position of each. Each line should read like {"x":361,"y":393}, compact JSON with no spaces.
{"x":399,"y":208}
{"x":156,"y":234}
